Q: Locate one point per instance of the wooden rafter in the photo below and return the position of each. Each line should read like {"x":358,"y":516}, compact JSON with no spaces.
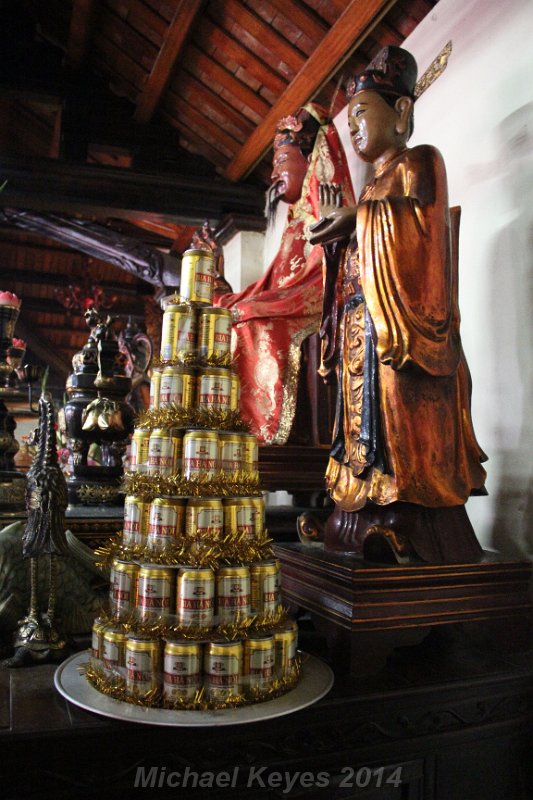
{"x":81,"y":23}
{"x":184,"y":17}
{"x":359,"y":17}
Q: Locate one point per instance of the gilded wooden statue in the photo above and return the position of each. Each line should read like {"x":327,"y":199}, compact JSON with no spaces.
{"x":404,"y":458}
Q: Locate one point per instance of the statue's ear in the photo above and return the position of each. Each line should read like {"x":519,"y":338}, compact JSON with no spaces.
{"x":404,"y":108}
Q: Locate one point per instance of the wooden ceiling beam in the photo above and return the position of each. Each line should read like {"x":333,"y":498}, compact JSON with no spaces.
{"x":352,"y":26}
{"x":79,"y":35}
{"x":185,"y":16}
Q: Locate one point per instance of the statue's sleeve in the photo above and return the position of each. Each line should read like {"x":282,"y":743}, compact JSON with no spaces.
{"x":406,"y":266}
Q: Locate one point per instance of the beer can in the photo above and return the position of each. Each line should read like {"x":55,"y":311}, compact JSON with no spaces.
{"x":200,"y":454}
{"x":214,"y":332}
{"x":250,"y":452}
{"x":113,"y":649}
{"x":123,"y":586}
{"x":178,"y":386}
{"x":223,"y":669}
{"x":143,"y":664}
{"x":214,"y":389}
{"x":166,"y":522}
{"x":231,"y":452}
{"x":178,"y":332}
{"x":286,"y":643}
{"x":136,"y":517}
{"x":233,"y":594}
{"x":241,"y":516}
{"x":259,"y":659}
{"x":97,"y":638}
{"x":265,"y":586}
{"x":235,"y":391}
{"x":182,"y":670}
{"x":155,"y":383}
{"x":164,"y":451}
{"x":204,"y":515}
{"x":195,"y":596}
{"x":155,"y":591}
{"x":139,"y":448}
{"x":197,"y":276}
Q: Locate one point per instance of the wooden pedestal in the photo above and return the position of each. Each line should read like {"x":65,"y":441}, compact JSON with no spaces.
{"x":366,"y":610}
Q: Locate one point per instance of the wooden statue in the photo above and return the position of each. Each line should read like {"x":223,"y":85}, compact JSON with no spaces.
{"x":404,"y":458}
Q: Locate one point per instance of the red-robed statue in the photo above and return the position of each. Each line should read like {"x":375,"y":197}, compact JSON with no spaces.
{"x":404,"y":458}
{"x":274,"y":315}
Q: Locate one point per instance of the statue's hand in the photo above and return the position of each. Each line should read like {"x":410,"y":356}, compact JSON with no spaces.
{"x":339,"y":224}
{"x":329,"y":198}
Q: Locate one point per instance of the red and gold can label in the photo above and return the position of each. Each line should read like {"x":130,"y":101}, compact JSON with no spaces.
{"x":242,"y":515}
{"x":182,"y":670}
{"x":235,"y":391}
{"x":155,"y":591}
{"x":231,"y":452}
{"x":265,"y":586}
{"x":166,"y":522}
{"x":250,"y":452}
{"x":136,"y":517}
{"x":195,"y":596}
{"x":204,"y":516}
{"x":259,"y":660}
{"x":286,"y":643}
{"x":197,"y":276}
{"x":143,"y":665}
{"x":178,"y":387}
{"x":113,"y":649}
{"x":178,"y":332}
{"x":214,"y":389}
{"x":139,"y":448}
{"x":233,"y":594}
{"x":123,"y":586}
{"x":155,"y":384}
{"x":214,"y":332}
{"x":164,"y":450}
{"x":223,"y":669}
{"x":97,"y":638}
{"x":200,"y":454}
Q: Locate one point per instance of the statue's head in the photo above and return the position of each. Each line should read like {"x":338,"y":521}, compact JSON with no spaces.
{"x":293,"y":145}
{"x":381,"y":99}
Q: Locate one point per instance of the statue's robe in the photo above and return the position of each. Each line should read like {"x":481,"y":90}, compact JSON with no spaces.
{"x":403,"y":428}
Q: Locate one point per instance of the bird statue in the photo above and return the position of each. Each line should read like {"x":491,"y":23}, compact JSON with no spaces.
{"x":38,"y":638}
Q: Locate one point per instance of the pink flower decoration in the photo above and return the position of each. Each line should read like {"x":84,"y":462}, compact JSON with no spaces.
{"x":19,"y":343}
{"x":9,"y":299}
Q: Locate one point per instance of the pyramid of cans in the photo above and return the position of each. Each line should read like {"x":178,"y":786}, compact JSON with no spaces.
{"x":187,"y":597}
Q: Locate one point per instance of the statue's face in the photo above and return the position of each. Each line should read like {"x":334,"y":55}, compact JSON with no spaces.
{"x":289,"y":168}
{"x":372,"y":125}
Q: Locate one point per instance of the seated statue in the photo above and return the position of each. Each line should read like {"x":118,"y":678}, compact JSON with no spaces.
{"x":274,"y":315}
{"x":404,"y":458}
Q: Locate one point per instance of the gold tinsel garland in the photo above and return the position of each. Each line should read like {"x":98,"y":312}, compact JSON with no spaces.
{"x":148,"y":487}
{"x":195,"y":361}
{"x":174,"y":416}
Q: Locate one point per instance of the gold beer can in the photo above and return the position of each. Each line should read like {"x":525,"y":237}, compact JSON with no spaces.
{"x":123,"y":586}
{"x":155,"y":383}
{"x":178,"y":386}
{"x":166,"y":522}
{"x":265,"y":586}
{"x":155,"y":591}
{"x":204,"y":515}
{"x":197,"y":276}
{"x":214,"y":332}
{"x":235,"y":391}
{"x":214,"y":389}
{"x":136,"y":518}
{"x":223,"y":669}
{"x":286,"y":643}
{"x":233,"y":594}
{"x":97,"y":638}
{"x":113,"y":649}
{"x":259,"y":660}
{"x":231,"y":452}
{"x":195,"y":596}
{"x":241,"y":517}
{"x":139,"y":448}
{"x":182,"y":670}
{"x":200,"y":454}
{"x":164,"y":450}
{"x":178,"y":332}
{"x":143,"y":665}
{"x":250,"y":452}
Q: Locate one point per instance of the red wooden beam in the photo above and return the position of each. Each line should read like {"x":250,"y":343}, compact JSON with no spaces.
{"x":79,"y":35}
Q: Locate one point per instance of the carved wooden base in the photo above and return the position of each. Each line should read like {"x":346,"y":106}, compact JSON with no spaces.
{"x":366,"y":610}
